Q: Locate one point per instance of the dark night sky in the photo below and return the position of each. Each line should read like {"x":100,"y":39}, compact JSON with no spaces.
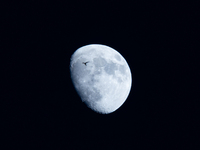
{"x":40,"y":106}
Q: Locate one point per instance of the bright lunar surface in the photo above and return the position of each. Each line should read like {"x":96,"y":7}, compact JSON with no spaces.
{"x":101,"y":77}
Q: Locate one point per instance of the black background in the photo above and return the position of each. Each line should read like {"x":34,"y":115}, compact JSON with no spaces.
{"x":40,"y":107}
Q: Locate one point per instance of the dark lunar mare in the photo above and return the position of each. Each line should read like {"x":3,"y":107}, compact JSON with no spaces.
{"x":110,"y":68}
{"x":99,"y":62}
{"x":122,"y":69}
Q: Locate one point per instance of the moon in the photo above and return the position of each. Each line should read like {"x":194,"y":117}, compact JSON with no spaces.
{"x":101,"y":76}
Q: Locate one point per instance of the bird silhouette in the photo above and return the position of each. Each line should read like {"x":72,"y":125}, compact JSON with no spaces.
{"x":85,"y":63}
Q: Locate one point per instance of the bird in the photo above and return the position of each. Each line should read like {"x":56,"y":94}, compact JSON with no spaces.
{"x":85,"y":63}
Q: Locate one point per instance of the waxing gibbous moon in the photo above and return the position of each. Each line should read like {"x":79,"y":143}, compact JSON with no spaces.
{"x":101,"y":77}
